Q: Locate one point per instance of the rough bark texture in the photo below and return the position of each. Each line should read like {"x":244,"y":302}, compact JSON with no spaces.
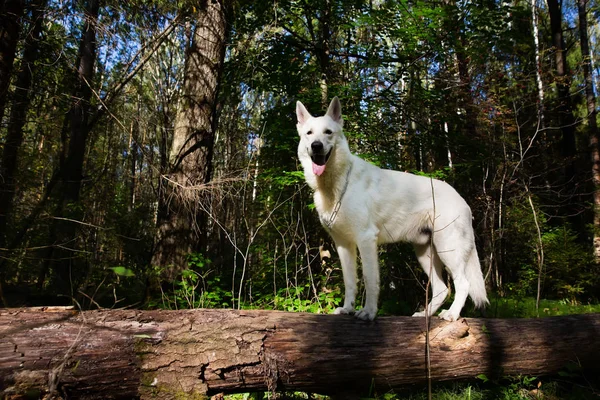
{"x":180,"y":223}
{"x":194,"y":353}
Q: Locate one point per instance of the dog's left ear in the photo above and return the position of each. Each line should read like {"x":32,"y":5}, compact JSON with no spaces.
{"x":335,"y":111}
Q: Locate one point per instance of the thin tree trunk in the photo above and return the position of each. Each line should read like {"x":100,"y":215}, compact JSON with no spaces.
{"x":11,"y":13}
{"x":134,"y":137}
{"x":181,"y":224}
{"x":192,"y":353}
{"x":465,"y":95}
{"x":323,"y":51}
{"x":538,"y":63}
{"x":594,"y":135}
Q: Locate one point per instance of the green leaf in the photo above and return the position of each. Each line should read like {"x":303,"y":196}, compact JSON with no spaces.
{"x":122,"y":271}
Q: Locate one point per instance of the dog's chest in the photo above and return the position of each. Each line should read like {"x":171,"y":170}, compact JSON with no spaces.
{"x":331,"y":213}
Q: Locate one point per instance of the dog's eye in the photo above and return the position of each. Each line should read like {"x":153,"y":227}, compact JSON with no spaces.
{"x":309,"y":133}
{"x":328,"y":131}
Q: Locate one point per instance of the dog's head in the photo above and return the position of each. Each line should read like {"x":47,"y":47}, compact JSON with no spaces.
{"x":319,"y":135}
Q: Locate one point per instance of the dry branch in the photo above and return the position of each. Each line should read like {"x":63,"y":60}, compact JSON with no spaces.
{"x":167,"y":354}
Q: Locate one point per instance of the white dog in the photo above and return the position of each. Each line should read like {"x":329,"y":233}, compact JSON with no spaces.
{"x":363,"y":206}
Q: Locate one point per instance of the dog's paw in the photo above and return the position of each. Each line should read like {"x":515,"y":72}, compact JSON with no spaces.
{"x":343,"y":311}
{"x":449,"y":316}
{"x":419,"y":314}
{"x":366,"y":314}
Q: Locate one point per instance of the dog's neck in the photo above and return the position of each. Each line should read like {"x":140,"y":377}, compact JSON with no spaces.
{"x":330,"y":185}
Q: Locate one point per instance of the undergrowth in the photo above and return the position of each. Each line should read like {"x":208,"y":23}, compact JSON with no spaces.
{"x":516,"y":388}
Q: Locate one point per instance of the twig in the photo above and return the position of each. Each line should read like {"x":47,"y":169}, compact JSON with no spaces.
{"x":55,"y":375}
{"x":540,"y":252}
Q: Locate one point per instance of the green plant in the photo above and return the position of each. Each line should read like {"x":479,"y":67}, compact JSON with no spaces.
{"x":195,"y":287}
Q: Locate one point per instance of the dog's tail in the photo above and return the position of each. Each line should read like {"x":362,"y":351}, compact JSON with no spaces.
{"x":475,"y":278}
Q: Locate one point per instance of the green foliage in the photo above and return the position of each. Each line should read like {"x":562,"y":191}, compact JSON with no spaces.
{"x":122,"y":271}
{"x":441,"y":174}
{"x":195,"y":287}
{"x":283,"y":179}
{"x":573,"y":387}
{"x":570,"y":271}
{"x":524,"y":307}
{"x":299,"y":300}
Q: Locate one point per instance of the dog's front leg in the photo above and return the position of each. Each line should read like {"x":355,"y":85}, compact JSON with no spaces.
{"x":347,"y":254}
{"x":370,"y":267}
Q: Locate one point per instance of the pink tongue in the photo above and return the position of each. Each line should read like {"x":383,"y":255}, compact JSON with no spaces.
{"x":318,"y":169}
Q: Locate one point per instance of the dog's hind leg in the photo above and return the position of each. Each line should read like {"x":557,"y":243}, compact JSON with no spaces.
{"x":456,"y":262}
{"x":433,"y":268}
{"x":347,"y":253}
{"x":461,"y":286}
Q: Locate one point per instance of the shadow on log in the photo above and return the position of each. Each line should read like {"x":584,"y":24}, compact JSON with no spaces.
{"x":168,"y":354}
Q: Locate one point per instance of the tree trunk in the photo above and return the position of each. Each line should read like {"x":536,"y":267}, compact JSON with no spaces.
{"x":63,"y":229}
{"x":11,"y":13}
{"x":564,"y":110}
{"x":322,"y":50}
{"x":80,"y":109}
{"x":181,"y":224}
{"x":166,"y":354}
{"x":18,"y":114}
{"x":538,"y":62}
{"x":594,"y":135}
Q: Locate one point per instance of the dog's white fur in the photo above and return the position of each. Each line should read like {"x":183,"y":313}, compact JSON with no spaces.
{"x":384,"y":206}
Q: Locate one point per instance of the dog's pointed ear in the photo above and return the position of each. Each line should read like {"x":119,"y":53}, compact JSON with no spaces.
{"x":302,"y":113}
{"x":335,"y":110}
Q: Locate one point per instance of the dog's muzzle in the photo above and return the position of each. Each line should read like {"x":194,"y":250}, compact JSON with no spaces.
{"x":319,"y":157}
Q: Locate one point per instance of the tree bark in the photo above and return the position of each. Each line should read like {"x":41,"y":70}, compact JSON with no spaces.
{"x":176,"y":354}
{"x":181,"y":225}
{"x":592,"y":125}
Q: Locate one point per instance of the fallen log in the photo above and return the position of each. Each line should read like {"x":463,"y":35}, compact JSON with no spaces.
{"x":167,"y":354}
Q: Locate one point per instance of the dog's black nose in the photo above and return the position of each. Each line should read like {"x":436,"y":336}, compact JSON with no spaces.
{"x":317,"y":147}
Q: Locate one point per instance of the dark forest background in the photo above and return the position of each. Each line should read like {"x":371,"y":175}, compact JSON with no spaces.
{"x":149,"y":147}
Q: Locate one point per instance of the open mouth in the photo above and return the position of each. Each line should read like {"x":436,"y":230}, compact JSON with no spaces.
{"x":319,"y":161}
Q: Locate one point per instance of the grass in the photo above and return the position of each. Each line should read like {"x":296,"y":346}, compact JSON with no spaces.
{"x":518,"y":388}
{"x":525,"y":308}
